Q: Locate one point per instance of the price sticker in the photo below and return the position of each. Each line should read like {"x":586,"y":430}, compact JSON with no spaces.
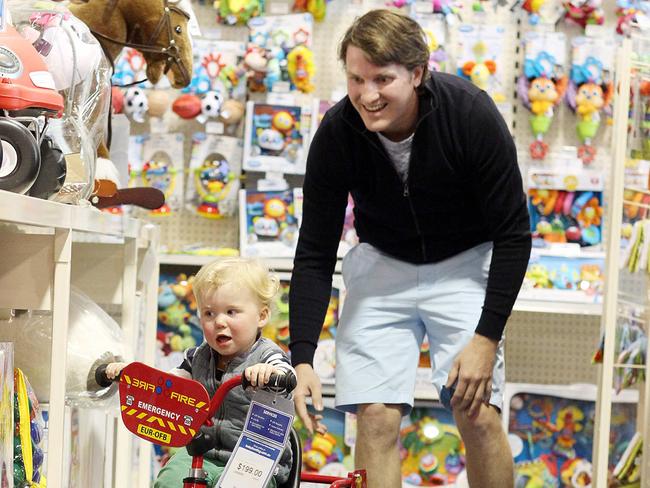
{"x":264,"y":437}
{"x":251,"y":464}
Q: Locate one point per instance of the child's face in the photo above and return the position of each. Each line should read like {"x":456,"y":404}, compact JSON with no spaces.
{"x":231,"y":315}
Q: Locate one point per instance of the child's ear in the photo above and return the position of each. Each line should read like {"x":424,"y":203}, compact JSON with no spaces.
{"x":265,"y":315}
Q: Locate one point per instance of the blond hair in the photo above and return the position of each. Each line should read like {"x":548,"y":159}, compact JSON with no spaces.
{"x":251,"y":273}
{"x":387,"y":37}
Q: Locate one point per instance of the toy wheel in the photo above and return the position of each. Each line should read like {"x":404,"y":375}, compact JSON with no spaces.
{"x":21,"y":158}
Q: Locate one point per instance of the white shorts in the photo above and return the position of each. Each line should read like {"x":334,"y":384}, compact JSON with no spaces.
{"x":389,"y":306}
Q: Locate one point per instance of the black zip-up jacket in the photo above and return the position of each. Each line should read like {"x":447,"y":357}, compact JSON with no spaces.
{"x":464,"y":188}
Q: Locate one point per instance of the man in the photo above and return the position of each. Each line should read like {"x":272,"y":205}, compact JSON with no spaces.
{"x":443,"y":224}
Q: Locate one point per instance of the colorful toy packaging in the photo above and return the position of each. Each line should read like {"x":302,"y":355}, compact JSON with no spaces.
{"x":156,"y":160}
{"x":434,"y":28}
{"x":28,"y":433}
{"x":232,"y":12}
{"x":560,"y":278}
{"x":431,"y":449}
{"x":6,"y":414}
{"x":542,"y":85}
{"x":551,"y":432}
{"x":276,"y":138}
{"x":269,"y":222}
{"x":215,"y":172}
{"x":565,"y":206}
{"x":590,"y":88}
{"x":279,"y":51}
{"x":278,"y":328}
{"x":478,"y":51}
{"x":328,"y":454}
{"x":217,"y":92}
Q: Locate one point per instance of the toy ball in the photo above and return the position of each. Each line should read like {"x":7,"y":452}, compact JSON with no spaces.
{"x":275,"y":208}
{"x":283,"y":121}
{"x":232,"y":111}
{"x":136,"y":104}
{"x":187,"y":106}
{"x":315,"y":459}
{"x":117,"y":100}
{"x":211,"y":104}
{"x":158,"y":102}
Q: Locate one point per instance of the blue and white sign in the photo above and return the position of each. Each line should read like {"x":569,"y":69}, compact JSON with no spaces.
{"x":268,"y":422}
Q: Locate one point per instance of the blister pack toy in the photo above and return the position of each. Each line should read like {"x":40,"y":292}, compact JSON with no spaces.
{"x":434,"y":28}
{"x":160,"y":166}
{"x":542,"y":85}
{"x":215,"y":172}
{"x":279,"y":51}
{"x":478,"y":51}
{"x":269,"y":222}
{"x":590,"y":89}
{"x":551,"y":432}
{"x":565,"y":207}
{"x":431,"y":449}
{"x":560,"y":278}
{"x":275,"y":138}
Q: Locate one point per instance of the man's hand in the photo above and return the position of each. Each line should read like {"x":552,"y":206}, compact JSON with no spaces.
{"x":309,"y":385}
{"x":472,"y":369}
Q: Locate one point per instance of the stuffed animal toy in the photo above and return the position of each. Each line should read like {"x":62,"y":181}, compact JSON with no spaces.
{"x":156,"y":28}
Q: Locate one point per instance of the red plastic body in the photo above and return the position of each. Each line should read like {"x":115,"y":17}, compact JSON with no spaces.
{"x":18,"y":91}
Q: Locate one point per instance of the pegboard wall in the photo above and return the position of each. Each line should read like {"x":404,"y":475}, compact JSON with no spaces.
{"x":540,"y":347}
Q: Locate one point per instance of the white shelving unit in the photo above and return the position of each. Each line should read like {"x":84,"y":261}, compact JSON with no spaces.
{"x":47,"y":247}
{"x":614,"y":284}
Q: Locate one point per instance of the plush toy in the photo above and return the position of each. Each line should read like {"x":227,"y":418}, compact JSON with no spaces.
{"x":159,"y":30}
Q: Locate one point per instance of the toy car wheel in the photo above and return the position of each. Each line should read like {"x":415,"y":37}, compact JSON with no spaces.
{"x":21,"y":159}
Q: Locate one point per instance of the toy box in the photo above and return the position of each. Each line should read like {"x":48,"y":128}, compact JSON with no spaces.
{"x":269,"y":222}
{"x":551,"y":428}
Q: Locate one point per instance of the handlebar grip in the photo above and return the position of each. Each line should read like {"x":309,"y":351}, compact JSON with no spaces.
{"x":101,"y":378}
{"x":277,"y":382}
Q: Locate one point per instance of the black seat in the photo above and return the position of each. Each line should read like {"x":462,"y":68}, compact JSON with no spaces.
{"x":294,"y":475}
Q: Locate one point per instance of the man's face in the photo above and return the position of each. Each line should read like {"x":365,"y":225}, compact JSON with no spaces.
{"x":384,"y":96}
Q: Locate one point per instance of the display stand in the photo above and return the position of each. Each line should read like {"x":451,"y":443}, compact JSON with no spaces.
{"x":614,"y":292}
{"x":49,"y":247}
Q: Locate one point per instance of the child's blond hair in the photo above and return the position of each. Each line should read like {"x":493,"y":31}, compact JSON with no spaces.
{"x":251,"y":273}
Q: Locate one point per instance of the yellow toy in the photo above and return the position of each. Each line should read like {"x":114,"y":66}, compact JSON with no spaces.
{"x":300,"y":65}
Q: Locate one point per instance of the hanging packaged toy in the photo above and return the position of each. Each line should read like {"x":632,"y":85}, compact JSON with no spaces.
{"x":160,"y":165}
{"x":565,"y":206}
{"x":542,"y":85}
{"x":632,"y":13}
{"x":584,"y":12}
{"x":318,"y":8}
{"x":275,"y":138}
{"x":590,"y":88}
{"x":231,"y":12}
{"x":278,"y":54}
{"x":269,"y":222}
{"x":479,"y":47}
{"x":28,"y":433}
{"x":215,"y":170}
{"x":434,"y":28}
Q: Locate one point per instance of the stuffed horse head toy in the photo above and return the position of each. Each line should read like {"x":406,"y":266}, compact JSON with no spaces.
{"x":156,"y":28}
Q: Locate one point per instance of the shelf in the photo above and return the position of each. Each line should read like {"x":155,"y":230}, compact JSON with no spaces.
{"x":568,"y":308}
{"x":277,"y":264}
{"x":25,"y":210}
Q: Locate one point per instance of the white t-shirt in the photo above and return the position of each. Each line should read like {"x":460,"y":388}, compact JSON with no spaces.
{"x":399,"y":153}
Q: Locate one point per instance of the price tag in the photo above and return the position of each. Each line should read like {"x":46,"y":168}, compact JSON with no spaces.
{"x":265,"y":434}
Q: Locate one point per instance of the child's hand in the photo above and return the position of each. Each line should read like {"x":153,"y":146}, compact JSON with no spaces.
{"x":114,"y":369}
{"x":260,"y":374}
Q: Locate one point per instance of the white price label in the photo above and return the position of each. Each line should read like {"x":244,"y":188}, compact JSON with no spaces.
{"x":251,"y":464}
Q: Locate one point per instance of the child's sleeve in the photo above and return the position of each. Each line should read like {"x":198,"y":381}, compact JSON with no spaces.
{"x":184,"y":370}
{"x":278,"y":359}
